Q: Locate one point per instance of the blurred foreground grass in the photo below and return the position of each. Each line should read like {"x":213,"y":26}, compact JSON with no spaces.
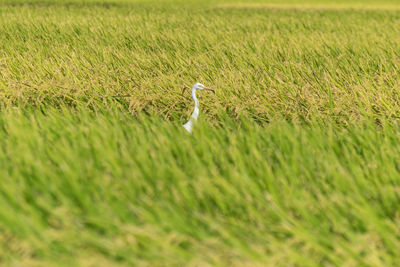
{"x":84,"y":188}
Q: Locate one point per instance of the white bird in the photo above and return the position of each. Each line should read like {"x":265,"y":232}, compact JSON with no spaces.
{"x":189,"y":125}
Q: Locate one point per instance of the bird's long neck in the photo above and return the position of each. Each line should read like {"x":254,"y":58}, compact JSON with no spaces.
{"x":195,"y":113}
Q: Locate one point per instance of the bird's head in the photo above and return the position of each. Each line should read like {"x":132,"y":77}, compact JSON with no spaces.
{"x":199,"y":86}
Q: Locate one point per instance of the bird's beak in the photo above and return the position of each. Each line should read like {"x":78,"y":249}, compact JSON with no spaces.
{"x":209,"y":89}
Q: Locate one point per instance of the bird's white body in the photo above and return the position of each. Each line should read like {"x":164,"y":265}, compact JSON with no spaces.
{"x":193,"y":118}
{"x":189,"y":126}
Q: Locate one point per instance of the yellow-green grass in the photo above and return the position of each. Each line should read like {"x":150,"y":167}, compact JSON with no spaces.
{"x":340,"y":65}
{"x":295,"y":161}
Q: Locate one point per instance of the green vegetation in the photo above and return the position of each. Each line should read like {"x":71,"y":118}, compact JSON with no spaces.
{"x":82,"y":186}
{"x":297,"y":64}
{"x":295,"y":160}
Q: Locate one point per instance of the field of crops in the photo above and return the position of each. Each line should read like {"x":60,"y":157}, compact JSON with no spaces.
{"x":295,"y":160}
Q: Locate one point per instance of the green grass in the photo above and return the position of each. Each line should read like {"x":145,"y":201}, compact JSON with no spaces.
{"x":295,"y":161}
{"x":139,"y":191}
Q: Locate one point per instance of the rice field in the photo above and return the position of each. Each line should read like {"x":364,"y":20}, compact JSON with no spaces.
{"x":295,"y":160}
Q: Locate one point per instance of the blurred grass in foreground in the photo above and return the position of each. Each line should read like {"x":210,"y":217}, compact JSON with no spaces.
{"x":83,"y":188}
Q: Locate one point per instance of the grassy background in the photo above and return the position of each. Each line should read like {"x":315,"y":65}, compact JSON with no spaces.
{"x":294,"y":162}
{"x":298,"y":63}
